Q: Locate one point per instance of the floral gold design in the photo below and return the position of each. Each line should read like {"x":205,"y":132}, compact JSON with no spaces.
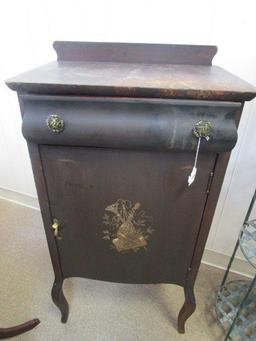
{"x":127,"y":226}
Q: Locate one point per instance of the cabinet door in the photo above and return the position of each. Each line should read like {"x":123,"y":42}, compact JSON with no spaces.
{"x":126,"y":216}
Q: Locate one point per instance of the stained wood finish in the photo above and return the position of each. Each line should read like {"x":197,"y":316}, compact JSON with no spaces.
{"x":188,"y":307}
{"x":134,"y":53}
{"x":163,"y":125}
{"x":210,"y":205}
{"x":130,"y":175}
{"x":6,"y":333}
{"x":125,"y":138}
{"x":46,"y":211}
{"x":59,"y":299}
{"x":39,"y":177}
{"x":133,"y":79}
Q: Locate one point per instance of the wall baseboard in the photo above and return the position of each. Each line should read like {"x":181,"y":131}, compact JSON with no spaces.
{"x":219,"y":260}
{"x":210,"y":257}
{"x":19,"y":198}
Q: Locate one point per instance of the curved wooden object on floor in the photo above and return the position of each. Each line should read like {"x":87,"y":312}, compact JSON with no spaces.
{"x":6,"y":333}
{"x":187,"y":309}
{"x":60,"y":300}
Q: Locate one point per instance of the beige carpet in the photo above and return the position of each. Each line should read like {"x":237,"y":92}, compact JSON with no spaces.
{"x":99,"y":311}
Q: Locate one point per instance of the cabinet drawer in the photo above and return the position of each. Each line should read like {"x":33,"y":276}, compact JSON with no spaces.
{"x":129,"y":123}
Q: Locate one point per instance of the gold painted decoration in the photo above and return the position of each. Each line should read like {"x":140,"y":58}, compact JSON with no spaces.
{"x":127,"y":226}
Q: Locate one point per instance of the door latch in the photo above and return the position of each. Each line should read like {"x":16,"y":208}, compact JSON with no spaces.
{"x":56,"y":228}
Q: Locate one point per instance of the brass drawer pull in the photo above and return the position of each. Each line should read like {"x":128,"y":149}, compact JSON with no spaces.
{"x":55,"y":123}
{"x":202,"y":129}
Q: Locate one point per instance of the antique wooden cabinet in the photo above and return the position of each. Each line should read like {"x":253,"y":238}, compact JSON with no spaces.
{"x":114,"y":131}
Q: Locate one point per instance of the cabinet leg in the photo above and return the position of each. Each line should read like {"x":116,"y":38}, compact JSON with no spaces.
{"x":60,"y":300}
{"x":6,"y":333}
{"x":187,"y":309}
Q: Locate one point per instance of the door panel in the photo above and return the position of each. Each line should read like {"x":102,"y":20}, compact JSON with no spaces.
{"x":126,"y":216}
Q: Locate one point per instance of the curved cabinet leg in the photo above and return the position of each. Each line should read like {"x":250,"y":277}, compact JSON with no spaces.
{"x":60,"y":300}
{"x":187,"y":309}
{"x":6,"y":333}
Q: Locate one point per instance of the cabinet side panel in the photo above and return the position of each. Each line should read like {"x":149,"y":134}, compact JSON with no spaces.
{"x":36,"y":162}
{"x":211,"y":203}
{"x":35,"y":157}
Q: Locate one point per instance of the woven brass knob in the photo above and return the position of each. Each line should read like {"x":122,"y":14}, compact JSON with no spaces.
{"x":55,"y":123}
{"x":202,"y":129}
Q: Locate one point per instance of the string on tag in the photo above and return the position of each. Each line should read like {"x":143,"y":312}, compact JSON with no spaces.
{"x":202,"y":129}
{"x":192,"y":175}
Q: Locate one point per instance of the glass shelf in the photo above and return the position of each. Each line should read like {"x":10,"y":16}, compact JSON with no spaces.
{"x":236,"y":301}
{"x":227,"y":304}
{"x":247,"y":241}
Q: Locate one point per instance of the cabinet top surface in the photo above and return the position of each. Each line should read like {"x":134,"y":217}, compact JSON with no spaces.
{"x":134,"y":70}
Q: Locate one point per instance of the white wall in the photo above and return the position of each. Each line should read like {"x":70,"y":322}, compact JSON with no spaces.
{"x":29,"y":27}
